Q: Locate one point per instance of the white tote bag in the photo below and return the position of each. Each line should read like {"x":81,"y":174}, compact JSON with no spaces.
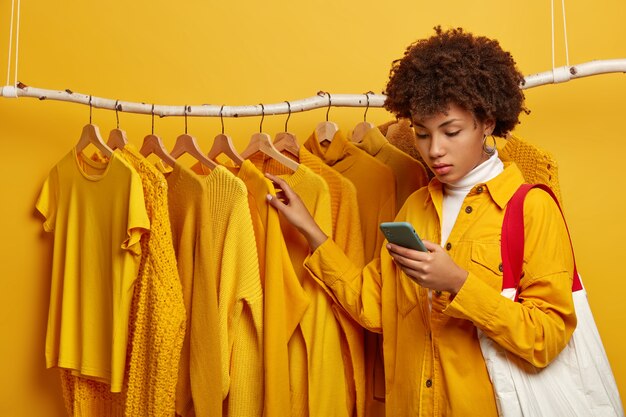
{"x":579,"y":382}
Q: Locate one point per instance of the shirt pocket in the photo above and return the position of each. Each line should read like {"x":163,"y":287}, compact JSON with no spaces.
{"x":406,"y":294}
{"x":486,"y":263}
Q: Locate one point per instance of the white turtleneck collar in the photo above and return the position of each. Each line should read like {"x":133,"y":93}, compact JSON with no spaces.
{"x":454,"y":194}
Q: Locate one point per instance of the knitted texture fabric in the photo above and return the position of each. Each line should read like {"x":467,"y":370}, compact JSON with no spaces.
{"x":156,"y":321}
{"x":157,"y":318}
{"x":234,"y":266}
{"x":537,"y":165}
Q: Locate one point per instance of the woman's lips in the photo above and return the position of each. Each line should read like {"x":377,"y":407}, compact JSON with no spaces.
{"x":442,"y":169}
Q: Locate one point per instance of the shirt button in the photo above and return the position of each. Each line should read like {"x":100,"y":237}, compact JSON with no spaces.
{"x":479,"y":189}
{"x":468,"y":209}
{"x":438,"y":293}
{"x":448,"y":246}
{"x":429,"y":383}
{"x":500,"y":268}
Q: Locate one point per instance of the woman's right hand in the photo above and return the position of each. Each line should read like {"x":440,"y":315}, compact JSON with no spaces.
{"x":291,"y":207}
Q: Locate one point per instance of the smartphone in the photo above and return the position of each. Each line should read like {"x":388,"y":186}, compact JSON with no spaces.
{"x":402,"y":234}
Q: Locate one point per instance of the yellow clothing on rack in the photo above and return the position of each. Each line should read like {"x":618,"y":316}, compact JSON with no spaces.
{"x":190,"y":219}
{"x":234,"y":267}
{"x":285,"y":300}
{"x":97,"y":214}
{"x":433,"y":362}
{"x":347,"y":234}
{"x":374,"y":182}
{"x":156,"y":323}
{"x":376,"y":195}
{"x":318,"y":377}
{"x":409,"y":173}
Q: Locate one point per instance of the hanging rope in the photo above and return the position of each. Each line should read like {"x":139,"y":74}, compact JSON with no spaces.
{"x":560,"y":75}
{"x":11,"y":90}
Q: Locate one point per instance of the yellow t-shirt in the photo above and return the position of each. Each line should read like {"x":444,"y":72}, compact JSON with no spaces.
{"x":97,"y":214}
{"x":433,"y":362}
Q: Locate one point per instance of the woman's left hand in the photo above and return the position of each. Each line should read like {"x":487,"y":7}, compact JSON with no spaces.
{"x":433,"y":269}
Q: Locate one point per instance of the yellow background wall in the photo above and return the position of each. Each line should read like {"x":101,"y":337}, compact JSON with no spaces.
{"x":247,"y":52}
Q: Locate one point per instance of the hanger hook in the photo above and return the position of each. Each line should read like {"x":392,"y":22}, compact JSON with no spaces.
{"x":90,"y":109}
{"x":330,"y":103}
{"x":367,"y":96}
{"x":288,"y":116}
{"x":222,"y":118}
{"x":185,"y":119}
{"x":117,"y":116}
{"x":152,"y":111}
{"x":262,"y":117}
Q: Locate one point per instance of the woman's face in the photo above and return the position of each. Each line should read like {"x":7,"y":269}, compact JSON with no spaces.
{"x":451,"y":144}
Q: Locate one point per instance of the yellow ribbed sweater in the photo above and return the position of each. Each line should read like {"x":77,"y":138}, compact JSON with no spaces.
{"x":190,"y":220}
{"x":234,"y":266}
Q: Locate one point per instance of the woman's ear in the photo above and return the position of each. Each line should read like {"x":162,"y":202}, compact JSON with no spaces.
{"x":489,"y":126}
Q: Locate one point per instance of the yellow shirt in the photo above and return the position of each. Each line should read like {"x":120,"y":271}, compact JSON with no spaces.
{"x":374,"y":183}
{"x":285,"y":300}
{"x":97,"y":213}
{"x":347,"y":234}
{"x":410,"y":174}
{"x":318,"y":379}
{"x":376,"y":196}
{"x":433,"y":362}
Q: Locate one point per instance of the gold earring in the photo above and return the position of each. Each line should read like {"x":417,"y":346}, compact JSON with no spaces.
{"x":489,"y":150}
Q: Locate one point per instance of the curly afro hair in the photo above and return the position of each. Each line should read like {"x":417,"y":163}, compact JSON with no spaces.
{"x":457,"y":67}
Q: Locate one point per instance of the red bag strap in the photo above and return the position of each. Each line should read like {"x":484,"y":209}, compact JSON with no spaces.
{"x":512,"y":240}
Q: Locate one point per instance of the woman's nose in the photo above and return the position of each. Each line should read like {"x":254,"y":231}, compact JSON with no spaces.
{"x":436,"y":147}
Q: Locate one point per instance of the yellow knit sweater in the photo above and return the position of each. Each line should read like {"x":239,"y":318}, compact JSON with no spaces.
{"x":190,"y":219}
{"x":234,"y":266}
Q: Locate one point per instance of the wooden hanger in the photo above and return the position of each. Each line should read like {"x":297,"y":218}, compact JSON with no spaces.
{"x":286,"y":141}
{"x":152,"y":144}
{"x":117,"y":137}
{"x":261,"y":142}
{"x":325,"y":131}
{"x":186,"y":143}
{"x":91,"y":135}
{"x":363,"y":127}
{"x":360,"y":130}
{"x":223,"y":144}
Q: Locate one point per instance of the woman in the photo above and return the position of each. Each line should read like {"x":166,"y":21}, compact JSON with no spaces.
{"x":459,"y":90}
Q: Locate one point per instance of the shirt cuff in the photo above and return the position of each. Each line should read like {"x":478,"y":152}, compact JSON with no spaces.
{"x":476,"y":301}
{"x":328,"y":263}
